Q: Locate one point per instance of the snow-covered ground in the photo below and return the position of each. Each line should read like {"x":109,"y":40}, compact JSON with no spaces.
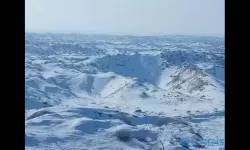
{"x":96,"y":92}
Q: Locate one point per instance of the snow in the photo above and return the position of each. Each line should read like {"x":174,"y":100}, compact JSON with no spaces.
{"x":122,"y":92}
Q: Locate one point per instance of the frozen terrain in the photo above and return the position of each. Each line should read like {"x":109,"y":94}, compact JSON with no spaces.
{"x":98,"y":92}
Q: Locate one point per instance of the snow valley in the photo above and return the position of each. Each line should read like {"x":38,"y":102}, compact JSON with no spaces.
{"x":123,"y":92}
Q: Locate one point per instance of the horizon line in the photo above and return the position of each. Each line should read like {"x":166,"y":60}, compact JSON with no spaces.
{"x":124,"y":34}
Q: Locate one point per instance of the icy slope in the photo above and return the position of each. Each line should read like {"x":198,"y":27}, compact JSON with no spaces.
{"x":115,"y":92}
{"x":83,"y":127}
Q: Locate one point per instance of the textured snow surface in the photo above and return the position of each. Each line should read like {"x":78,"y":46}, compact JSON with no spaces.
{"x":96,"y":92}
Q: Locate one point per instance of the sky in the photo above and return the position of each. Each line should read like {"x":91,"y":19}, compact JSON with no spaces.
{"x":128,"y":17}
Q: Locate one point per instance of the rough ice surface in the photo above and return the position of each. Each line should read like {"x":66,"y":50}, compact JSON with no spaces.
{"x":95,"y":92}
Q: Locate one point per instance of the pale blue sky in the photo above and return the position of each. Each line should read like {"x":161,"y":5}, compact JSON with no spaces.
{"x":135,"y":17}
